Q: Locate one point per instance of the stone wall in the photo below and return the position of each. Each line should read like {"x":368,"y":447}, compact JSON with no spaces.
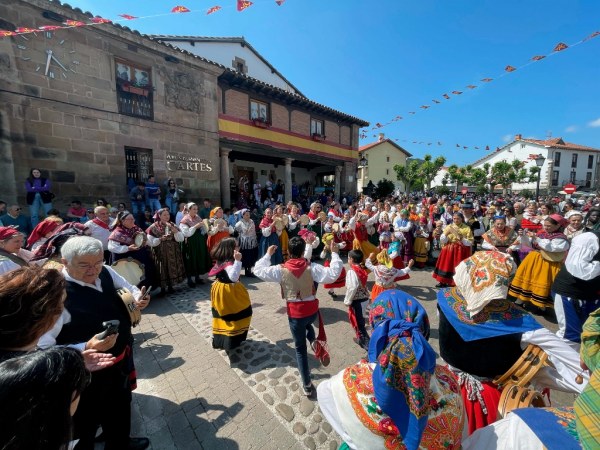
{"x":70,"y":126}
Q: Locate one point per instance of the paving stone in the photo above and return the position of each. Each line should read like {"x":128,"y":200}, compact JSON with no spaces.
{"x":260,"y":377}
{"x":299,"y":428}
{"x":295,"y":399}
{"x":317,"y":418}
{"x":321,"y":437}
{"x":306,"y":407}
{"x":260,"y":360}
{"x":251,"y":383}
{"x":269,"y":399}
{"x":289,"y":379}
{"x":333,"y":445}
{"x":273,"y":382}
{"x":312,"y":428}
{"x":286,"y":359}
{"x":309,"y":442}
{"x":326,"y":427}
{"x":281,"y":392}
{"x":294,"y":386}
{"x":278,"y":373}
{"x":261,"y":388}
{"x":285,"y":411}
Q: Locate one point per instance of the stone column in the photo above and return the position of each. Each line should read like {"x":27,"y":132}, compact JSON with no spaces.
{"x":225,"y":192}
{"x":288,"y":180}
{"x":7,"y":168}
{"x":338,"y":182}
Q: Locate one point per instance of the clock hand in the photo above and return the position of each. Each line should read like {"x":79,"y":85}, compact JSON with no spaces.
{"x":58,"y":62}
{"x":48,"y":61}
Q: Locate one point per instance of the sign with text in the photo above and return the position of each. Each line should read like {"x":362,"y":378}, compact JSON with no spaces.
{"x":188,"y":163}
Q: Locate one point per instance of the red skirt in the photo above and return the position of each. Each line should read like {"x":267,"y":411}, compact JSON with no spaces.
{"x":399,"y":264}
{"x":378,"y":289}
{"x":450,"y":257}
{"x":475,"y":415}
{"x":340,"y":282}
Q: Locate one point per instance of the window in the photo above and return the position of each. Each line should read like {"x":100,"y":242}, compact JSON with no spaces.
{"x":239,"y":64}
{"x":387,"y":171}
{"x":259,"y":111}
{"x":588,"y":179}
{"x":317,"y":127}
{"x":556,"y":159}
{"x":590,"y":161}
{"x":574,"y":160}
{"x":138,"y":164}
{"x":555,"y":178}
{"x":134,"y":90}
{"x":387,"y":158}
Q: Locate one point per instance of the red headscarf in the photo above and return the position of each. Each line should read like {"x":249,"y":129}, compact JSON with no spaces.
{"x":44,"y":227}
{"x":7,"y":232}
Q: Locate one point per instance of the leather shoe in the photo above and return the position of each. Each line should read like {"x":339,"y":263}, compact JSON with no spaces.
{"x":138,"y":443}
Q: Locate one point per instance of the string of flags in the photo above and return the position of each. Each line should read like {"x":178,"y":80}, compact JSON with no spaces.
{"x":437,"y":143}
{"x":561,"y":46}
{"x":241,"y":5}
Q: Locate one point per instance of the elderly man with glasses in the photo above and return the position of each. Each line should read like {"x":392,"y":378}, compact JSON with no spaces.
{"x":14,"y":218}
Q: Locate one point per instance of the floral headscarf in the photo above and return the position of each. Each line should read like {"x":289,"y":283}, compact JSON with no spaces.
{"x":484,"y":277}
{"x":405,"y":362}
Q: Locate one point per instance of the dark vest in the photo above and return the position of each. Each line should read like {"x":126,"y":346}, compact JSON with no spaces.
{"x":488,"y":357}
{"x":573,"y":287}
{"x":89,"y":308}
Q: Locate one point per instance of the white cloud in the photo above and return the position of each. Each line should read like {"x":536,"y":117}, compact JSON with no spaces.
{"x":507,"y":138}
{"x":594,"y":123}
{"x":572,"y":129}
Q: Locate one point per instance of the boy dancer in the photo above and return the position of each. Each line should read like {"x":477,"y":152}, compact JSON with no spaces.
{"x":356,"y":296}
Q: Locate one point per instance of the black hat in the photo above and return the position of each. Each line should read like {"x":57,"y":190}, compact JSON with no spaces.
{"x":467,"y":206}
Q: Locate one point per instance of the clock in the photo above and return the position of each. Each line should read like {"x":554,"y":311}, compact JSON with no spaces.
{"x":48,"y":53}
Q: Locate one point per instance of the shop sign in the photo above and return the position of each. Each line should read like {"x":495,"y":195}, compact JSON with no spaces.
{"x":188,"y":163}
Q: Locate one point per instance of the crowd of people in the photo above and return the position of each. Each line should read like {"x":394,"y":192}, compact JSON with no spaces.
{"x":498,"y":262}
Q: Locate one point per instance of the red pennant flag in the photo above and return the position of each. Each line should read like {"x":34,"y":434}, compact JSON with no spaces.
{"x":74,"y":23}
{"x":456,"y":92}
{"x":26,"y":30}
{"x":487,"y":80}
{"x":446,"y":96}
{"x":281,"y":2}
{"x":243,"y":4}
{"x":487,"y":147}
{"x":127,"y":16}
{"x":399,"y":117}
{"x":560,"y":47}
{"x":412,"y":112}
{"x":378,"y":125}
{"x":471,"y":86}
{"x":424,"y":106}
{"x":436,"y":101}
{"x":213,"y":10}
{"x":510,"y":68}
{"x":180,"y":9}
{"x":458,"y":145}
{"x":6,"y":33}
{"x":476,"y":148}
{"x":593,"y":35}
{"x":538,"y":57}
{"x":465,"y":147}
{"x":429,"y":143}
{"x":100,"y":20}
{"x":50,"y":27}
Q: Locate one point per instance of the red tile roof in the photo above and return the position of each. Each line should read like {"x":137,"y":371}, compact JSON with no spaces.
{"x":374,"y":144}
{"x":559,"y":143}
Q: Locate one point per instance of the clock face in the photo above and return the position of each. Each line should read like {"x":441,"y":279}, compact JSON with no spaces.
{"x":48,"y":53}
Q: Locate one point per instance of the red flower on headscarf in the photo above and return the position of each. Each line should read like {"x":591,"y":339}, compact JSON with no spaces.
{"x":384,"y":359}
{"x":387,"y":426}
{"x":417,"y":381}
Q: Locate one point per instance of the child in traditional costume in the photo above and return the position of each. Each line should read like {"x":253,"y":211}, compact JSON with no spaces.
{"x":385,"y":273}
{"x":421,"y":243}
{"x":328,"y":238}
{"x":457,"y":240}
{"x":230,"y":302}
{"x":356,"y":297}
{"x":394,"y":254}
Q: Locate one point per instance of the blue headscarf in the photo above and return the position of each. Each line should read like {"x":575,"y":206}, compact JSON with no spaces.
{"x":405,"y":362}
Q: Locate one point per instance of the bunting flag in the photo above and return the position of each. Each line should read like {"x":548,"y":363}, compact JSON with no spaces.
{"x":127,"y":16}
{"x":49,"y":27}
{"x":74,"y":23}
{"x":510,"y":68}
{"x":100,"y":20}
{"x":180,"y":9}
{"x":456,"y":92}
{"x":436,"y":101}
{"x":25,"y":30}
{"x":486,"y":80}
{"x":560,"y":47}
{"x":538,"y":58}
{"x":6,"y":33}
{"x":412,"y":112}
{"x":243,"y":4}
{"x":214,"y":9}
{"x":592,"y":36}
{"x":424,"y":106}
{"x":446,"y":96}
{"x":471,"y":86}
{"x":279,"y":2}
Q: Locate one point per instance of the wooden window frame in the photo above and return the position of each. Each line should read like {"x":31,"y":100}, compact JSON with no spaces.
{"x":135,"y":93}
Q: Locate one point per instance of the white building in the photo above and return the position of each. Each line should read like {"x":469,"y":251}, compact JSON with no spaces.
{"x":232,"y":52}
{"x":565,"y":162}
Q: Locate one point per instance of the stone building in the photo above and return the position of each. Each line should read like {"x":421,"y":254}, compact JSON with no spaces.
{"x":98,"y":107}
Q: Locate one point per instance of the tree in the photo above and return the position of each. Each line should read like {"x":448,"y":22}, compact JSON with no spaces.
{"x":506,"y":173}
{"x":430,"y":168}
{"x":384,"y":188}
{"x":457,"y":175}
{"x":410,"y":174}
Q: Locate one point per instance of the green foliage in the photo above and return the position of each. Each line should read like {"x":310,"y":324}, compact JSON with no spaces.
{"x":441,"y":190}
{"x":384,"y":188}
{"x":481,"y":190}
{"x":506,"y":173}
{"x":417,"y":174}
{"x":527,"y":193}
{"x":430,"y":168}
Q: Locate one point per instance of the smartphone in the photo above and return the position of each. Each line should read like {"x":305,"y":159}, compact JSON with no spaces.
{"x":110,"y":327}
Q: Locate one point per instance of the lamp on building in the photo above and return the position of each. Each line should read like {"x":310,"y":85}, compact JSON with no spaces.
{"x":362,"y":163}
{"x":539,"y":162}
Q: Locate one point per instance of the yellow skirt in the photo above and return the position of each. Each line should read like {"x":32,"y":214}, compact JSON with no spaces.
{"x":533,"y":280}
{"x":232,"y":312}
{"x":420,"y":249}
{"x":283,"y":240}
{"x":365,"y":246}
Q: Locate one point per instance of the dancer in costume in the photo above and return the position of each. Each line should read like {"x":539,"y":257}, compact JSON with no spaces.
{"x":456,"y":241}
{"x":357,"y":296}
{"x":385,"y":273}
{"x":248,"y":241}
{"x":500,"y":237}
{"x":195,"y":252}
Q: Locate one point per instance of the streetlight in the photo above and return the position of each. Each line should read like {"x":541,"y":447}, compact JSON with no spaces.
{"x":363,"y":165}
{"x":539,"y":161}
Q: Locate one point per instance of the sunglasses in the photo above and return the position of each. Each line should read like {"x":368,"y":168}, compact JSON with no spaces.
{"x":18,"y":209}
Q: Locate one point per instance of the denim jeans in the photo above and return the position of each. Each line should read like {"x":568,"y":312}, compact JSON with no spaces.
{"x":34,"y":209}
{"x":154,"y":204}
{"x":138,"y":208}
{"x":302,"y":330}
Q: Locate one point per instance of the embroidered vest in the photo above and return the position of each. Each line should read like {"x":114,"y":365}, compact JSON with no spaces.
{"x":297,"y":289}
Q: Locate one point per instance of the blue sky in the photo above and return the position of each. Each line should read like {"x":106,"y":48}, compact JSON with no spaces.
{"x":380,"y":59}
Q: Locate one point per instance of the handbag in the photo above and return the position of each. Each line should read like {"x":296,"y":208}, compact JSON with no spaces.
{"x":47,"y":196}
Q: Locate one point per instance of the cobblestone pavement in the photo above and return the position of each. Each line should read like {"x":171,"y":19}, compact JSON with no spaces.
{"x":191,"y":396}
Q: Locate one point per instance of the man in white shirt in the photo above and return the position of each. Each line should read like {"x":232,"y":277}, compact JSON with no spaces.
{"x":99,"y":227}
